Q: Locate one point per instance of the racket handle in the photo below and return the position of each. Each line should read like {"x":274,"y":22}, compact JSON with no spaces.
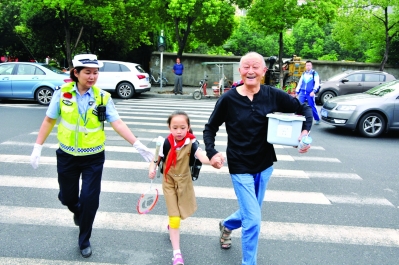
{"x":156,"y":156}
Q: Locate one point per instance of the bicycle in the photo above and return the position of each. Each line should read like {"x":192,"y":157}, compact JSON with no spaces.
{"x":158,"y":81}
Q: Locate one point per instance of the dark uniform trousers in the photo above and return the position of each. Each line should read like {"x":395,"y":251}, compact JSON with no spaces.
{"x":85,"y":206}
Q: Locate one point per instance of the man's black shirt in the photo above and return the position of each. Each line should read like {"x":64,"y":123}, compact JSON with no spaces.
{"x":246,"y":124}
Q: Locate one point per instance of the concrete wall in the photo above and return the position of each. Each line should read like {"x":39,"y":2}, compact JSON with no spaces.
{"x":198,"y":65}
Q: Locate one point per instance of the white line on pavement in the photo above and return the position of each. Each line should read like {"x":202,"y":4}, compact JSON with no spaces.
{"x":302,"y":232}
{"x":140,"y":187}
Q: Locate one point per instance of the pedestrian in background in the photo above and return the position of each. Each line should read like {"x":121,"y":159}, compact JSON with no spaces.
{"x":178,"y":71}
{"x":82,"y":108}
{"x":250,"y":157}
{"x":307,"y":87}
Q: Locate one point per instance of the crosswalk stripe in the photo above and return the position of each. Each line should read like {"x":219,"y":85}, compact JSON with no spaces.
{"x":140,"y":188}
{"x":157,"y":113}
{"x":359,"y":200}
{"x":153,"y":103}
{"x":144,"y":165}
{"x":203,"y":191}
{"x":200,"y":126}
{"x":33,"y":261}
{"x":333,"y":175}
{"x":168,"y":110}
{"x":283,"y":231}
{"x":161,"y":120}
{"x":217,"y":143}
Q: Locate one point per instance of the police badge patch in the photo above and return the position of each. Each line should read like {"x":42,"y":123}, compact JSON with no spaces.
{"x":67,"y":102}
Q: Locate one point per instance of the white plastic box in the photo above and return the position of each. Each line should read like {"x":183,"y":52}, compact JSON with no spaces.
{"x":284,"y":128}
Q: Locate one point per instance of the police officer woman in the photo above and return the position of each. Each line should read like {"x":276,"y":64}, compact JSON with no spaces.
{"x":81,"y":108}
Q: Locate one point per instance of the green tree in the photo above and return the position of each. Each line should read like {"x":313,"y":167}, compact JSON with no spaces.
{"x":208,"y":21}
{"x":13,"y":43}
{"x":370,"y":25}
{"x":245,"y":39}
{"x":309,"y":39}
{"x":95,"y":20}
{"x":280,"y":15}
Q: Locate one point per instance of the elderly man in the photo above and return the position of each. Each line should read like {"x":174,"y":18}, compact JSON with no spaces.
{"x":250,"y":157}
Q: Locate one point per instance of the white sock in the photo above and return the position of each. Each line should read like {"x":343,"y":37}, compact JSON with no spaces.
{"x":176,"y":251}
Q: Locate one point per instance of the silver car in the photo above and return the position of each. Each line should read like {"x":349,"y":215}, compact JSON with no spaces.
{"x":350,"y":82}
{"x":371,"y":113}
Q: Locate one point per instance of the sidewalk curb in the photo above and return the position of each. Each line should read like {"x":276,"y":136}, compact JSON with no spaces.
{"x":167,"y":92}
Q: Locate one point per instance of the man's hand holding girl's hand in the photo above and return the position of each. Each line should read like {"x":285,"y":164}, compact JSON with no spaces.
{"x":217,"y":161}
{"x":152,"y":173}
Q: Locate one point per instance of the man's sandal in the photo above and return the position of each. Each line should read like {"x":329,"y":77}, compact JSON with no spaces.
{"x":225,"y":238}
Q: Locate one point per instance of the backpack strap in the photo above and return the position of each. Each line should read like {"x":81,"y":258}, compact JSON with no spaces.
{"x":193,"y":160}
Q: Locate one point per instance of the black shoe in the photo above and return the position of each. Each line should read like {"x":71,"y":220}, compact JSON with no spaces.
{"x":76,"y":219}
{"x":86,"y":252}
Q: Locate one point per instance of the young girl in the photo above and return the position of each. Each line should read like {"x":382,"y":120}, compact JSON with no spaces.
{"x":177,"y":184}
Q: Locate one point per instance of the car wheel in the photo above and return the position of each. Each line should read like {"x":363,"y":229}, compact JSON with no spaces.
{"x":371,"y":125}
{"x":326,"y":96}
{"x":125,"y":90}
{"x":197,"y":95}
{"x":44,"y":95}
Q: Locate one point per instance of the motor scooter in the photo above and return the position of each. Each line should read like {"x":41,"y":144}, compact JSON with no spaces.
{"x":217,"y":90}
{"x":198,"y":93}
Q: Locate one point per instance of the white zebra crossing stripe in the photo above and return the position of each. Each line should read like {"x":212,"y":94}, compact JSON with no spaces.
{"x":359,"y":200}
{"x":139,"y":187}
{"x":32,"y":261}
{"x":202,"y":191}
{"x":283,"y":231}
{"x":128,"y":149}
{"x":47,"y":160}
{"x":160,"y":120}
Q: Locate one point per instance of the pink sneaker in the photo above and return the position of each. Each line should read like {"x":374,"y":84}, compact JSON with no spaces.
{"x":178,"y":259}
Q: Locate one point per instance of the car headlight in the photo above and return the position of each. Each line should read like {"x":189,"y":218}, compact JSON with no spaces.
{"x":346,"y":107}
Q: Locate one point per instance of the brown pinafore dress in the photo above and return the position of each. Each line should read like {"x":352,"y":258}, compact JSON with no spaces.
{"x":178,"y":186}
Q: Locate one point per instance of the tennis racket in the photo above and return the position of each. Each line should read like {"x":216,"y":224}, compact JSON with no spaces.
{"x":148,"y":199}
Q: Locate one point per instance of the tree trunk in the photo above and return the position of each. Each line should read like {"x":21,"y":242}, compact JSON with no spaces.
{"x":64,"y":20}
{"x":182,"y":41}
{"x":387,"y":46}
{"x":387,"y":40}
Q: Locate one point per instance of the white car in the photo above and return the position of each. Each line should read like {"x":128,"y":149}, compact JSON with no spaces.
{"x":124,"y":78}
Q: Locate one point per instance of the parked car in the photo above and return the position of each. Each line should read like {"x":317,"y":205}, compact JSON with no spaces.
{"x":371,"y":113}
{"x":350,"y":82}
{"x":24,"y":80}
{"x":124,"y":78}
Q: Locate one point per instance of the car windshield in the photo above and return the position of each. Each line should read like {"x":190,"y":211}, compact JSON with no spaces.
{"x":338,"y":76}
{"x":384,"y":89}
{"x":54,"y":69}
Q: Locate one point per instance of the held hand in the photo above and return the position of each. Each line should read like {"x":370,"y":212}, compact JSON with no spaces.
{"x":146,"y":153}
{"x":217,"y":161}
{"x":152,"y":173}
{"x":311,"y":94}
{"x":35,"y":156}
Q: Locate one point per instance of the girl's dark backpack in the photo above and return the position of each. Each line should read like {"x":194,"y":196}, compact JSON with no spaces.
{"x":195,"y":164}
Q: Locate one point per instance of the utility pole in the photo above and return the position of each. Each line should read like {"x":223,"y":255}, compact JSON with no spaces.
{"x":161,"y":48}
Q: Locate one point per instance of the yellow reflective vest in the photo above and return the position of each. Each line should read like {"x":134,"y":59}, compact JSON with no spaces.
{"x":77,"y":135}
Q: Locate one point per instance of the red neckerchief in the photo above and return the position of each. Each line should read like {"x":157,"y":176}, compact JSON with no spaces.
{"x":172,"y":157}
